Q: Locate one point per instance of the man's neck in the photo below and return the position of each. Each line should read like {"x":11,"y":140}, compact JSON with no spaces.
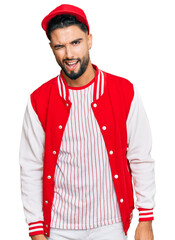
{"x":84,"y":79}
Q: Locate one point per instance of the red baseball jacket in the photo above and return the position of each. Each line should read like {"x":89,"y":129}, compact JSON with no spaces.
{"x":111,"y":108}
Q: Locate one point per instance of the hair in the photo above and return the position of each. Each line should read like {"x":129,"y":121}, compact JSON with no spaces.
{"x":62,"y":21}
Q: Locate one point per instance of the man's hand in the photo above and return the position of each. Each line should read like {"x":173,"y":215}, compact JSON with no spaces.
{"x":38,"y":237}
{"x":144,"y":231}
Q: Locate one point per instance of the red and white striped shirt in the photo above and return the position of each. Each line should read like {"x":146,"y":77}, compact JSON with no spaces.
{"x":84,"y":194}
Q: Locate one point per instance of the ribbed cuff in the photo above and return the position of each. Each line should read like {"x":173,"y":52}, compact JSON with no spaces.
{"x":36,"y":228}
{"x":145,"y":214}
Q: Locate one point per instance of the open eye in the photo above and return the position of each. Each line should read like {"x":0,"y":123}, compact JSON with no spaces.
{"x":76,"y":42}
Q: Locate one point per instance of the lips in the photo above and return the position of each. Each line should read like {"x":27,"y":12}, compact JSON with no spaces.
{"x":71,"y":65}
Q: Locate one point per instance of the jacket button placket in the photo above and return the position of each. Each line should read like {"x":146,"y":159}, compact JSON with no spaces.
{"x":111,"y":152}
{"x":116,"y":176}
{"x":49,"y":176}
{"x":104,"y":127}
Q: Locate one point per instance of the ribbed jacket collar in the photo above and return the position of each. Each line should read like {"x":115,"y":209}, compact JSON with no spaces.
{"x":98,"y":85}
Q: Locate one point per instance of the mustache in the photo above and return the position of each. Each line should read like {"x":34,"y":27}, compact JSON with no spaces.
{"x":72,"y":59}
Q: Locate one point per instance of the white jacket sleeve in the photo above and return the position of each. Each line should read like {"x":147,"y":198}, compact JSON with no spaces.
{"x":139,"y":155}
{"x":31,"y":169}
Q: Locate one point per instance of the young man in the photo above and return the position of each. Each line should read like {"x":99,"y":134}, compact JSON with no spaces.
{"x":85,"y":137}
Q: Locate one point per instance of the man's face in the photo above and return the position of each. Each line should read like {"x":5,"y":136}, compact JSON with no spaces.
{"x":71,"y":46}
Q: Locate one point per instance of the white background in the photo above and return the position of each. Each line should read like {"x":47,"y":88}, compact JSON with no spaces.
{"x":133,"y":39}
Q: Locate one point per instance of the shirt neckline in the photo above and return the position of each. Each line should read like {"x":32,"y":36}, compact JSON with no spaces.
{"x":84,"y":86}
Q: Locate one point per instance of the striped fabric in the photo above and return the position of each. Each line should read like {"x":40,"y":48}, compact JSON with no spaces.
{"x":99,"y":87}
{"x":84,"y":195}
{"x":36,"y":228}
{"x":145,"y":214}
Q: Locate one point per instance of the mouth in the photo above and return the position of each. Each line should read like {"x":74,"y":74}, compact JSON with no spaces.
{"x":71,"y":65}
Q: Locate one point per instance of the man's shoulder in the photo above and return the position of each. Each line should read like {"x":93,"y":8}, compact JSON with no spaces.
{"x":40,"y":96}
{"x":120,"y":88}
{"x":117,"y":80}
{"x":44,"y":88}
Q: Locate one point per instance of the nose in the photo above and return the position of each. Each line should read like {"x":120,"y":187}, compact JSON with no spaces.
{"x":69,"y":53}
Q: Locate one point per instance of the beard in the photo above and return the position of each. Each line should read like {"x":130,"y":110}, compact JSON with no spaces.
{"x":83,"y":66}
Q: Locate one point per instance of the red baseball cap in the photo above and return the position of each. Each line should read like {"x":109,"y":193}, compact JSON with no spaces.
{"x":65,"y":9}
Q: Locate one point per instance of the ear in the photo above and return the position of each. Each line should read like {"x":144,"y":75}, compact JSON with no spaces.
{"x":89,"y":41}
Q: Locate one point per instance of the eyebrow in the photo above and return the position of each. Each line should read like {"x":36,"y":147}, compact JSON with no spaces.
{"x":60,"y":45}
